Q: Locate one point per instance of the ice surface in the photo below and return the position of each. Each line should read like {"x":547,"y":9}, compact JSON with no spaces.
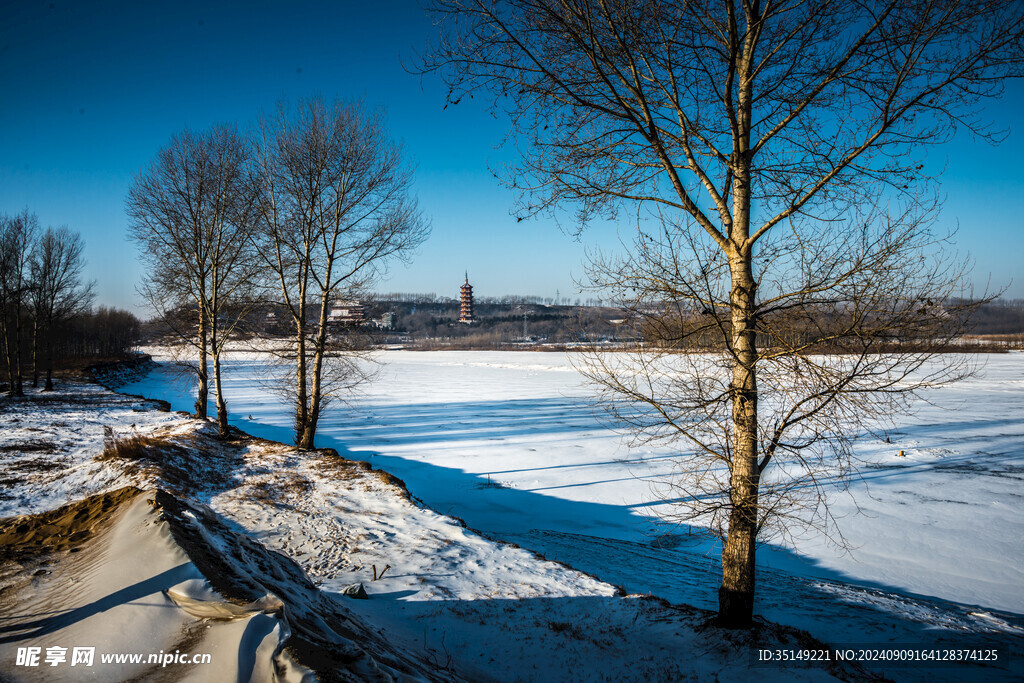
{"x":508,"y":442}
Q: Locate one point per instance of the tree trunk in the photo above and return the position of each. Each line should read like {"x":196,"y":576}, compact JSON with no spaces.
{"x":311,"y":412}
{"x":316,"y":387}
{"x":35,"y":354}
{"x":303,"y":438}
{"x":222,"y":406}
{"x":19,"y":385}
{"x":8,"y":354}
{"x":736,"y":596}
{"x":203,"y":388}
{"x":49,"y":357}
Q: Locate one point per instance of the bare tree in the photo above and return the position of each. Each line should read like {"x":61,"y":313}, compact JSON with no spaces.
{"x":57,"y":292}
{"x":189,"y":213}
{"x":17,"y":238}
{"x":778,"y":149}
{"x":335,"y":207}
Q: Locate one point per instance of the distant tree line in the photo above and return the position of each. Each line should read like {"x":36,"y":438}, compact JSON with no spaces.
{"x":1002,"y":316}
{"x":431,"y":321}
{"x":100,"y":333}
{"x":45,"y":305}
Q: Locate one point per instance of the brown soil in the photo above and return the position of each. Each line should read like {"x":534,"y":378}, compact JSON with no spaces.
{"x":66,"y":528}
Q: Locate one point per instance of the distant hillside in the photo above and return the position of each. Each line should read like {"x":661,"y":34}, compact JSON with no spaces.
{"x":428,"y":321}
{"x":496,"y":324}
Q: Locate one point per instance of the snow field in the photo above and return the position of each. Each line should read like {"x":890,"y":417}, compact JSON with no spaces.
{"x":473,"y":607}
{"x":508,"y":442}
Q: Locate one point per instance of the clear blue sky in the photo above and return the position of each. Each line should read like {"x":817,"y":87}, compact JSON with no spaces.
{"x":91,"y":91}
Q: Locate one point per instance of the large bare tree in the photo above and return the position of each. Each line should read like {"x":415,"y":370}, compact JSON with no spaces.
{"x":776,"y":154}
{"x":335,"y":206}
{"x":57,"y":292}
{"x":190,"y":213}
{"x":18,"y":236}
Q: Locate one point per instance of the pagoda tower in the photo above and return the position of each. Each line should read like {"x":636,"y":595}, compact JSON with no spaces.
{"x":466,"y":302}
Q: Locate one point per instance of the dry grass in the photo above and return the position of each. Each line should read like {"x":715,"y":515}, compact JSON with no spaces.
{"x":337,"y":468}
{"x":36,"y":446}
{"x":132,"y":447}
{"x":566,"y":628}
{"x":277,"y":492}
{"x":342,"y":469}
{"x":185,"y":464}
{"x":391,"y":479}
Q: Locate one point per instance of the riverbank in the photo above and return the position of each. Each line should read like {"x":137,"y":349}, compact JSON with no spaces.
{"x":443,"y":605}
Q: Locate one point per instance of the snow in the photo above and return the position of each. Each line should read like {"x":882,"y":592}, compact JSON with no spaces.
{"x":509,"y":442}
{"x":48,"y":441}
{"x":452,"y":603}
{"x":120,"y":596}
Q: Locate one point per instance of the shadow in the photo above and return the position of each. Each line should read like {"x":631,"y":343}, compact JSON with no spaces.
{"x":609,"y":541}
{"x":257,"y":627}
{"x":829,"y":607}
{"x":629,"y":461}
{"x":589,"y":637}
{"x":688,"y":570}
{"x":955,"y":426}
{"x":393,"y":595}
{"x":585,"y":483}
{"x":151,"y":586}
{"x":464,"y":421}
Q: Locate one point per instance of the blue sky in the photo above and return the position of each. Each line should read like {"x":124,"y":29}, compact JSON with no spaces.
{"x":91,"y":91}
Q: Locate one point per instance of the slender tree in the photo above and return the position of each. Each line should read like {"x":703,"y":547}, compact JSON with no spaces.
{"x":57,"y":293}
{"x":777,"y":149}
{"x":17,"y":239}
{"x":189,"y":212}
{"x":335,"y":207}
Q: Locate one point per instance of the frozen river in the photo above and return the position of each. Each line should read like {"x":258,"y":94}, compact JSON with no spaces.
{"x":506,"y":441}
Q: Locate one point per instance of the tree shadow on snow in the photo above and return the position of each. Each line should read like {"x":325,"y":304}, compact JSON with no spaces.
{"x":614,"y":542}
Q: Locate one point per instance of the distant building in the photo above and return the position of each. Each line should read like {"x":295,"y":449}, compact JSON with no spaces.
{"x":466,"y":302}
{"x":275,"y":321}
{"x":347,"y":313}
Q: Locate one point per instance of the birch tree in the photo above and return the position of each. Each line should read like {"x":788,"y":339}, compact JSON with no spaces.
{"x":335,"y":207}
{"x":190,"y":213}
{"x":776,"y":153}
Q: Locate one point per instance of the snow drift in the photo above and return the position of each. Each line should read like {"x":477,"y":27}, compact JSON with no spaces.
{"x":145,"y":572}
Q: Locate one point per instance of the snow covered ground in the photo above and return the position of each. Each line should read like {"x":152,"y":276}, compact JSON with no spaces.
{"x":507,"y":442}
{"x":187,"y":567}
{"x":48,"y":444}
